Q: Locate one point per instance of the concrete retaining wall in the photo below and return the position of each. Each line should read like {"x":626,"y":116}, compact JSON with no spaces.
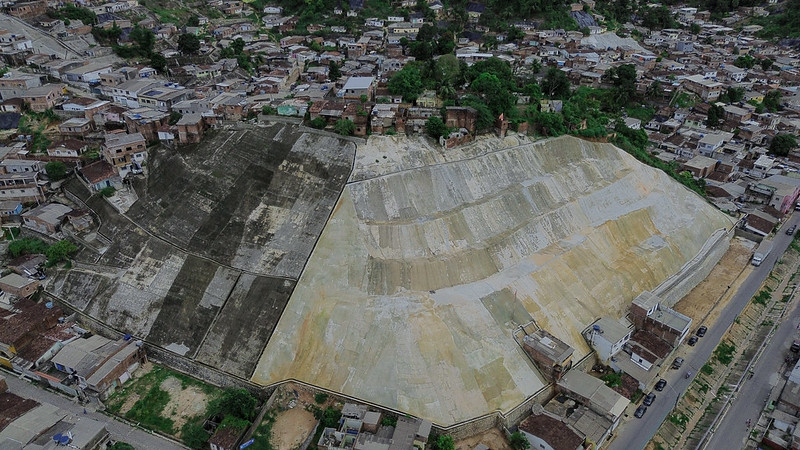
{"x":695,"y":270}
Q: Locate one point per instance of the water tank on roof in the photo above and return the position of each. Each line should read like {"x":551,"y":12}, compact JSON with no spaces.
{"x":127,"y":337}
{"x":596,"y":327}
{"x":49,"y":305}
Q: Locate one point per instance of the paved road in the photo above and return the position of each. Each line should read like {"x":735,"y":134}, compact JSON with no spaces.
{"x":141,"y":440}
{"x":751,"y":399}
{"x":636,"y":433}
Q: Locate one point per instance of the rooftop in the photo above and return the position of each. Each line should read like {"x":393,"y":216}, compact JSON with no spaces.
{"x":554,"y":432}
{"x":602,"y":399}
{"x":543,"y":342}
{"x":51,"y":213}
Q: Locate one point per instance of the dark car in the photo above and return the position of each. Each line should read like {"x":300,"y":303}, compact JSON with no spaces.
{"x":649,"y":399}
{"x":692,"y":340}
{"x":662,"y":383}
{"x":640,"y":411}
{"x":790,"y":230}
{"x":702,"y":331}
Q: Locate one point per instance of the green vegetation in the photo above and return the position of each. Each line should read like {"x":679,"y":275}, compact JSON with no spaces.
{"x":679,"y":419}
{"x":518,"y":441}
{"x":406,"y":83}
{"x":71,"y":12}
{"x":782,"y":25}
{"x":107,"y":191}
{"x":56,"y":170}
{"x":389,"y":421}
{"x":121,"y":446}
{"x":26,"y":246}
{"x":762,"y":297}
{"x":612,"y":379}
{"x":345,"y":127}
{"x":782,"y":144}
{"x":147,"y":411}
{"x":263,"y":434}
{"x":320,"y":398}
{"x":60,"y":251}
{"x":707,"y":369}
{"x":188,"y":44}
{"x":233,"y":402}
{"x":724,"y":353}
{"x":141,"y":46}
{"x":435,"y":127}
{"x":318,"y":123}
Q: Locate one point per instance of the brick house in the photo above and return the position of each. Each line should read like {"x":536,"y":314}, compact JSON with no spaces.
{"x":190,"y":128}
{"x":126,"y":152}
{"x":44,"y":97}
{"x":552,"y":356}
{"x":18,"y":285}
{"x":77,"y":126}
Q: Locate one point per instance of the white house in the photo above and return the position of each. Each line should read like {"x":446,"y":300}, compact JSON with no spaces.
{"x":608,"y":336}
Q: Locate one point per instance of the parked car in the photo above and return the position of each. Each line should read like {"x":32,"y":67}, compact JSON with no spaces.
{"x":640,"y":411}
{"x":790,"y":230}
{"x":692,"y":340}
{"x":649,"y":399}
{"x":701,"y":331}
{"x":677,"y":363}
{"x":662,"y":383}
{"x":794,"y":348}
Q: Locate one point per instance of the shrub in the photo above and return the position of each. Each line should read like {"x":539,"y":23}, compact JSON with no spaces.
{"x":320,"y":397}
{"x":107,"y":191}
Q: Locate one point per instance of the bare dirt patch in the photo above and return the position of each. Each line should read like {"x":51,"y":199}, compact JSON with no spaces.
{"x":704,"y":303}
{"x":292,"y":427}
{"x":493,"y":438}
{"x":184,"y":404}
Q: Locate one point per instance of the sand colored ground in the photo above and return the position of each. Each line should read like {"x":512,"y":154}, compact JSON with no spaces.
{"x":422,"y":273}
{"x":704,"y":303}
{"x":291,"y":428}
{"x":493,"y":438}
{"x":184,"y":404}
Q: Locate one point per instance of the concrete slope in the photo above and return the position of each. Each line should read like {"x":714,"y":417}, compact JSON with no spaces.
{"x":431,"y":259}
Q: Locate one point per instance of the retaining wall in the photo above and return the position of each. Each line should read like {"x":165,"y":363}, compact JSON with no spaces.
{"x":695,"y":270}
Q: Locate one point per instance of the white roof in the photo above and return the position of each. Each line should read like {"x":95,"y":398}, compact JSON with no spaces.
{"x":358,"y":83}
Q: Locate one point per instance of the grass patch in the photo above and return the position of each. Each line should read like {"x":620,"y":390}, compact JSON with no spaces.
{"x":767,"y":323}
{"x":724,"y":353}
{"x":636,"y":396}
{"x":762,"y":297}
{"x":679,"y":420}
{"x":643,"y":113}
{"x":147,"y":411}
{"x":707,"y":369}
{"x":263,"y":433}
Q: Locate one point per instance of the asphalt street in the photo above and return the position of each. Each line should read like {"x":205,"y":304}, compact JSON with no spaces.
{"x":119,"y":431}
{"x":636,"y":433}
{"x":751,"y":399}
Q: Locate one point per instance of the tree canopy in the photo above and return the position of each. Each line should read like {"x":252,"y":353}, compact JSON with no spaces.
{"x":435,"y":127}
{"x":188,"y":43}
{"x":555,"y":84}
{"x":782,"y":144}
{"x":406,"y":83}
{"x":56,"y":170}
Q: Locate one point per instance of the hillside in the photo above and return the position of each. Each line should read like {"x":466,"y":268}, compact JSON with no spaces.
{"x":432,"y":258}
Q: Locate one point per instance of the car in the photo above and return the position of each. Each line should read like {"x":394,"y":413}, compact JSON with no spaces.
{"x":649,"y":399}
{"x":662,"y":383}
{"x":701,"y":331}
{"x":677,"y":363}
{"x":692,"y":340}
{"x":790,"y":230}
{"x":640,"y":411}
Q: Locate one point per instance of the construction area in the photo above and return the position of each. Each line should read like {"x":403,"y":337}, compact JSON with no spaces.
{"x":431,"y":259}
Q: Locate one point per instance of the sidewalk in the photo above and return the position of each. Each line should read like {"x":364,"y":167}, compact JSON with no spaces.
{"x":140,"y":439}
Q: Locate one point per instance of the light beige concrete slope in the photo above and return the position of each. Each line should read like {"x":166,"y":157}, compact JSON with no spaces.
{"x":425,"y":268}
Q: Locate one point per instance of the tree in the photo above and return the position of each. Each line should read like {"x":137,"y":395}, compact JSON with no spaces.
{"x":158,"y":62}
{"x":407,"y":83}
{"x":765,"y":64}
{"x":555,"y":84}
{"x":548,"y":124}
{"x":121,"y":446}
{"x":447,"y":70}
{"x":318,"y":123}
{"x":193,"y":21}
{"x":345,"y":127}
{"x":656,"y":17}
{"x":655,"y":90}
{"x":188,"y":43}
{"x":333,"y":71}
{"x":56,"y":170}
{"x":745,"y":62}
{"x":695,"y":28}
{"x":175,"y":117}
{"x":518,"y":441}
{"x":236,"y":402}
{"x":60,"y":251}
{"x":496,"y":96}
{"x":444,"y":442}
{"x":435,"y":127}
{"x":26,"y":246}
{"x":624,"y":80}
{"x":782,"y":144}
{"x":144,"y":40}
{"x":772,"y":101}
{"x":715,"y":115}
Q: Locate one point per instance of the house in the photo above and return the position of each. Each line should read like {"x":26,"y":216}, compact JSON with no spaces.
{"x":19,"y":286}
{"x":225,"y":438}
{"x":759,"y":222}
{"x":785,"y":194}
{"x":100,"y":364}
{"x":86,"y":74}
{"x":28,"y":9}
{"x":474,"y":11}
{"x":68,"y":148}
{"x":10,"y":165}
{"x":44,"y":97}
{"x":700,"y":166}
{"x":20,"y":326}
{"x":461,"y":117}
{"x":76,"y":126}
{"x":711,"y":142}
{"x":126,"y":152}
{"x":146,"y":121}
{"x":608,"y":336}
{"x":593,"y":393}
{"x":23,"y":187}
{"x":649,"y":314}
{"x":27,"y":265}
{"x":46,"y":218}
{"x":707,"y":89}
{"x":10,"y":208}
{"x":14,"y":85}
{"x":551,"y":355}
{"x":544,"y":431}
{"x":190,"y":128}
{"x":355,"y":87}
{"x":99,"y":175}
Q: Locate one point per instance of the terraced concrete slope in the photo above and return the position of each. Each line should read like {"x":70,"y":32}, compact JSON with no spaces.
{"x":432,"y":257}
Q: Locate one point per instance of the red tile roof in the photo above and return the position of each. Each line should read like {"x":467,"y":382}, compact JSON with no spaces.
{"x":553,"y":431}
{"x":98,"y":171}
